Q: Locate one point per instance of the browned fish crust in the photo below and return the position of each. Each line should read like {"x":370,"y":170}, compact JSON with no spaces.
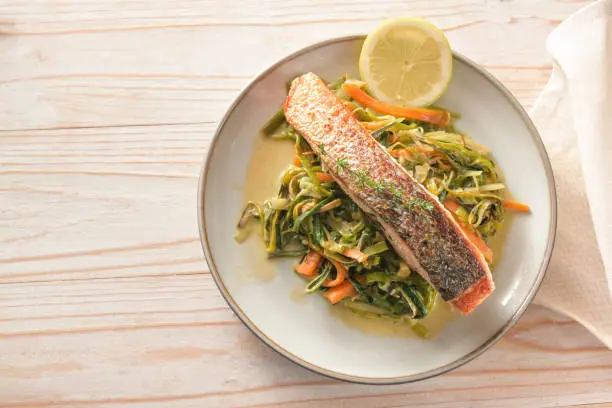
{"x":420,"y":229}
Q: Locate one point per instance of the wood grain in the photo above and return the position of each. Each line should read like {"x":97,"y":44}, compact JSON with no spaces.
{"x":188,"y":74}
{"x":106,"y":110}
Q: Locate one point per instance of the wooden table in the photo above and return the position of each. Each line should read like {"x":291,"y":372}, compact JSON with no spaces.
{"x":106,"y":110}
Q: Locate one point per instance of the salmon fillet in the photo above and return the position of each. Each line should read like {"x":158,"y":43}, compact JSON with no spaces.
{"x":419,"y":228}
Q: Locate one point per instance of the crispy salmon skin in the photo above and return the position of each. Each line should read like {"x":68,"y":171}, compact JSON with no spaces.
{"x":418,"y":227}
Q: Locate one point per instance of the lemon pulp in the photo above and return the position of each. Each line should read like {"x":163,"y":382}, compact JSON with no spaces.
{"x":406,"y":61}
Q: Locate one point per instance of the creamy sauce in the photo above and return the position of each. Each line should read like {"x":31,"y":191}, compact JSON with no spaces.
{"x":440,"y":315}
{"x":270,"y":158}
{"x":298,"y":294}
{"x":497,"y":242}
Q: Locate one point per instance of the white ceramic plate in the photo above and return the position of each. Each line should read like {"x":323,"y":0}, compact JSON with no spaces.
{"x":304,"y":331}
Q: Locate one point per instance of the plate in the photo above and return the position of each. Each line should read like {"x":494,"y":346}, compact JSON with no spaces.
{"x":303,"y":329}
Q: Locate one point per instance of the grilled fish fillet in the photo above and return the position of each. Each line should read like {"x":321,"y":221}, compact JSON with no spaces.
{"x":418,"y":227}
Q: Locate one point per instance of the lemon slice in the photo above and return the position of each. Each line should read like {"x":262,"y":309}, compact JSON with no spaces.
{"x":406,"y":61}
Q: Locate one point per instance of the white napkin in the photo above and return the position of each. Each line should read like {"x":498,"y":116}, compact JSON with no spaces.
{"x":574,"y":117}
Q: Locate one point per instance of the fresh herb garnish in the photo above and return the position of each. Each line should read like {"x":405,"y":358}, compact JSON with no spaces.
{"x":421,"y":203}
{"x":342,"y":163}
{"x":362,"y":177}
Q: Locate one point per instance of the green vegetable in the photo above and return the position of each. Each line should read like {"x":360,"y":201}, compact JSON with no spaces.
{"x":377,"y":248}
{"x":308,"y":167}
{"x":375,"y":134}
{"x":317,"y":282}
{"x":308,"y":213}
{"x":275,"y":122}
{"x":287,"y":254}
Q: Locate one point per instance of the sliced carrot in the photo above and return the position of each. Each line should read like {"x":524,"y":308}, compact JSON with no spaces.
{"x":331,"y":205}
{"x":341,"y":273}
{"x":306,"y":207}
{"x":356,"y":254}
{"x":513,"y":205}
{"x":436,"y":117}
{"x":336,"y":294}
{"x":436,"y":159}
{"x":397,"y":153}
{"x":310,"y":264}
{"x":324,"y":178}
{"x":296,"y":160}
{"x":451,"y":205}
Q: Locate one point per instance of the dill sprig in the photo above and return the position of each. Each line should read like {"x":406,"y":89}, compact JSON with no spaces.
{"x":380,"y":186}
{"x":342,"y":163}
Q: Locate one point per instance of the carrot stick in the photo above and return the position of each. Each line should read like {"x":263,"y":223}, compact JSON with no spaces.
{"x":310,"y":264}
{"x":436,"y":117}
{"x":356,"y":254}
{"x":451,"y":205}
{"x":336,"y":294}
{"x":513,"y":205}
{"x":341,"y":273}
{"x":324,"y":178}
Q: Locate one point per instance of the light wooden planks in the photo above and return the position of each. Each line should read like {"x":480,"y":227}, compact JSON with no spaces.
{"x":106,"y":109}
{"x":176,"y":337}
{"x":79,"y":67}
{"x":103,"y":202}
